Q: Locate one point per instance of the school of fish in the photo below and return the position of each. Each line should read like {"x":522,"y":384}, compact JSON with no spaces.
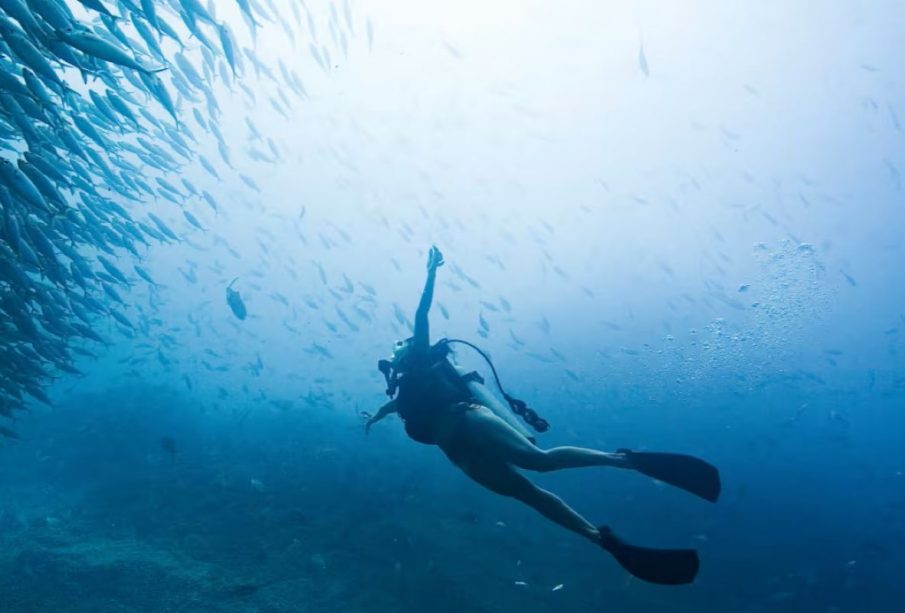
{"x":103,"y":105}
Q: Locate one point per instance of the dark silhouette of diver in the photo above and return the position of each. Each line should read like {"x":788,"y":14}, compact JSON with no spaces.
{"x":440,"y":405}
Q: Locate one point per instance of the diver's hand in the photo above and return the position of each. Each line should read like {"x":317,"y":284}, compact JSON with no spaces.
{"x":434,"y":259}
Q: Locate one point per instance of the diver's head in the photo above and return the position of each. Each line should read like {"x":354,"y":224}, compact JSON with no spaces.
{"x":401,"y":351}
{"x":396,"y":364}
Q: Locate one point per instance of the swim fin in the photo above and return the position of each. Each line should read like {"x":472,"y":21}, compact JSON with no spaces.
{"x":662,"y":566}
{"x":684,"y":471}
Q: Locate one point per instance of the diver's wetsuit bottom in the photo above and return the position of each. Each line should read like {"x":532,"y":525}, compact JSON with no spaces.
{"x":662,"y":566}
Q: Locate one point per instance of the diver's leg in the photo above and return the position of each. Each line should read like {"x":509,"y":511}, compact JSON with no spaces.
{"x":493,"y":436}
{"x":663,"y":566}
{"x":499,"y":477}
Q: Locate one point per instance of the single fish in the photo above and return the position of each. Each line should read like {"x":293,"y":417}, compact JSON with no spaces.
{"x":234,"y":300}
{"x":90,"y":43}
{"x":642,"y":61}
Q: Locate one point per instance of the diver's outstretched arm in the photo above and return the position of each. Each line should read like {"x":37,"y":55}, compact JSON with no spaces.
{"x":422,"y":327}
{"x":385,"y":410}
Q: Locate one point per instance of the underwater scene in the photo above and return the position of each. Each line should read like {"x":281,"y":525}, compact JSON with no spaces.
{"x":477,"y":306}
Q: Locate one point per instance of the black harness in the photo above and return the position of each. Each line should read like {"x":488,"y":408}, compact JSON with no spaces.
{"x":392,"y":372}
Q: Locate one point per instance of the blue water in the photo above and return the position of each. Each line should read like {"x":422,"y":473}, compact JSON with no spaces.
{"x":672,"y":228}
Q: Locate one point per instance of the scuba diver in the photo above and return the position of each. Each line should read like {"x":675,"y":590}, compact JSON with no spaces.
{"x":441,"y":405}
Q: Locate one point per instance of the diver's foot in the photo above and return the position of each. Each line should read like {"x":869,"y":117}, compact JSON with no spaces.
{"x":687,"y":472}
{"x":605,"y":537}
{"x":661,"y":566}
{"x":620,"y":459}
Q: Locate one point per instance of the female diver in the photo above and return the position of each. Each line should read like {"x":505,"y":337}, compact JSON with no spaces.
{"x":442,"y":406}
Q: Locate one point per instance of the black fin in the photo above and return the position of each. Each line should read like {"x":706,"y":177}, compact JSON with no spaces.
{"x":661,"y":566}
{"x":684,"y":471}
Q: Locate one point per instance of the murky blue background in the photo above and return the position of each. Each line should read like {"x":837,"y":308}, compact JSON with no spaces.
{"x":682,"y":225}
